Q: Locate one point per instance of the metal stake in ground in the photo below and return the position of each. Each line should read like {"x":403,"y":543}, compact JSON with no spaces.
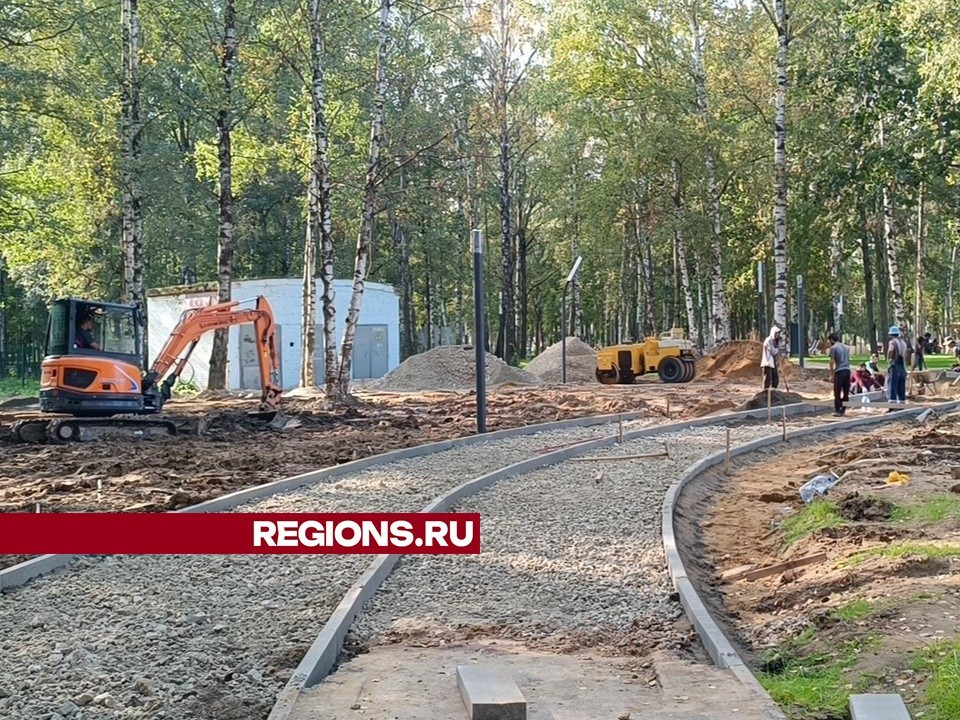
{"x":563,"y":318}
{"x":479,"y":341}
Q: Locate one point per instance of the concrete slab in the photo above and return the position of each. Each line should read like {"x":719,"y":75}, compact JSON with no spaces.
{"x":490,"y":693}
{"x":397,"y":682}
{"x":878,"y":707}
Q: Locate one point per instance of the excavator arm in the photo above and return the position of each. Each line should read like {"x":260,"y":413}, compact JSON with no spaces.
{"x":195,"y":323}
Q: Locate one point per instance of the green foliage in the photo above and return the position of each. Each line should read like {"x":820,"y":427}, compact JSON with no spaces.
{"x":818,"y":515}
{"x":932,"y":510}
{"x":941,"y":698}
{"x":919,"y":551}
{"x":813,"y":682}
{"x":14,"y":387}
{"x":852,"y":611}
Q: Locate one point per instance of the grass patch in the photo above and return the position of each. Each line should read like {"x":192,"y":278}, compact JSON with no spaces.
{"x":814,"y":682}
{"x":818,"y":515}
{"x":941,"y":700}
{"x":935,"y":509}
{"x":12,"y":387}
{"x":932,"y":362}
{"x":852,"y":611}
{"x":895,"y":552}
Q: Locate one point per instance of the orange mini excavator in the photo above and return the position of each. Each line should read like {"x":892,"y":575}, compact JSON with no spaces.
{"x":92,"y":368}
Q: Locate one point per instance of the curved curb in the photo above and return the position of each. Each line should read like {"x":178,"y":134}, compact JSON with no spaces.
{"x":717,"y":645}
{"x":19,"y":574}
{"x":325,"y":650}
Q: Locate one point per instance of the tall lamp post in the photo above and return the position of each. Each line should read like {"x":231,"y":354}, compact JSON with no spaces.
{"x":563,"y":317}
{"x":479,"y":341}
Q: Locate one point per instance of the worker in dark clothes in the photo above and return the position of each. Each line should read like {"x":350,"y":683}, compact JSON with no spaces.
{"x":84,"y":336}
{"x":839,"y":373}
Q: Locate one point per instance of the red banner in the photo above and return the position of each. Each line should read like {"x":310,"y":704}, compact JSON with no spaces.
{"x":239,"y":533}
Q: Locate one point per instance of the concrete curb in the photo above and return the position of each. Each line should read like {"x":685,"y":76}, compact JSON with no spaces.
{"x":717,"y":645}
{"x":22,"y":572}
{"x":322,"y":655}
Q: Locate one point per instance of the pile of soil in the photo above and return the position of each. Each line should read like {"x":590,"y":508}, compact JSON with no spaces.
{"x":777,"y":398}
{"x":739,"y":360}
{"x":581,"y":362}
{"x":451,"y":367}
{"x":864,"y":507}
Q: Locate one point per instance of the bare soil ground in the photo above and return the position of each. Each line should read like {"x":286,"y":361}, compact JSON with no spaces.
{"x":887,"y":585}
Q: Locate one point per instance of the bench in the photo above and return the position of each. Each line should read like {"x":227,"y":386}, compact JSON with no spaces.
{"x":878,"y":707}
{"x":489,"y":693}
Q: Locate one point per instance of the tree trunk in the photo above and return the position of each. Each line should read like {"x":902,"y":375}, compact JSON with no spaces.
{"x":401,"y":249}
{"x":3,"y":318}
{"x":365,"y":235}
{"x":319,"y":232}
{"x":871,"y":328}
{"x":921,"y":242}
{"x":890,"y":242}
{"x":228,"y":58}
{"x":131,"y":132}
{"x":780,"y":166}
{"x":950,"y":285}
{"x":507,"y":269}
{"x":682,"y":254}
{"x":883,"y":282}
{"x":836,"y":259}
{"x":646,"y":323}
{"x":720,"y":315}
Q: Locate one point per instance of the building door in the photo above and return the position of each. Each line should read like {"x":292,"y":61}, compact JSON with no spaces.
{"x":370,"y":352}
{"x":249,"y":366}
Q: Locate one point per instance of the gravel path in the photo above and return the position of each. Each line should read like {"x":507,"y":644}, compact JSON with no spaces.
{"x":571,"y":559}
{"x":166,"y":637}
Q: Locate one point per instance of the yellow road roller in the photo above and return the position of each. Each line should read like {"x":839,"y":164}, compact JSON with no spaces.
{"x":670,"y":356}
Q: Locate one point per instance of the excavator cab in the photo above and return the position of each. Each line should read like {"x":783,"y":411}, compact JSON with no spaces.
{"x":92,"y":368}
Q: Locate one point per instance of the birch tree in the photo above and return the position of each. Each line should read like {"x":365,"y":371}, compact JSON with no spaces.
{"x":318,"y":221}
{"x":341,"y":387}
{"x":781,"y":23}
{"x":681,"y":246}
{"x":720,"y":315}
{"x":227,"y":60}
{"x":890,"y":244}
{"x":131,"y":142}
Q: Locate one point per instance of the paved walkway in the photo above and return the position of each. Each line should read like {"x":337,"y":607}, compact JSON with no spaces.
{"x":406,"y":683}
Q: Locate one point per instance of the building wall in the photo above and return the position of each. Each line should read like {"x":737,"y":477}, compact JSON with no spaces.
{"x":380,"y":307}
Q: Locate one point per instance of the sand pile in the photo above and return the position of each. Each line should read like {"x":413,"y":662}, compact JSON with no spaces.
{"x":740,"y":360}
{"x":581,"y":362}
{"x":450,"y":367}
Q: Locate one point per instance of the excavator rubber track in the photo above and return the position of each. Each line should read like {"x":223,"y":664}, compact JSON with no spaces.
{"x":79,"y":429}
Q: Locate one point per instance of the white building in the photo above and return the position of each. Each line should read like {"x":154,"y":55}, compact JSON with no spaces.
{"x":376,"y":349}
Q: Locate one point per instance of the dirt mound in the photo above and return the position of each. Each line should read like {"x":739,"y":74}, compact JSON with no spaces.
{"x":864,"y":507}
{"x":581,"y":362}
{"x":777,"y":398}
{"x":739,"y":360}
{"x":451,"y":367}
{"x":708,"y":407}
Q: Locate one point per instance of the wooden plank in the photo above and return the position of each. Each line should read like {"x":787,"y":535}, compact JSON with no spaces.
{"x":780,"y":567}
{"x":489,"y":693}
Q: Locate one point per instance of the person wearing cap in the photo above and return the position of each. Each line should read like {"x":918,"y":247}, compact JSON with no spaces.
{"x":897,"y":369}
{"x":769,"y":358}
{"x":839,"y":373}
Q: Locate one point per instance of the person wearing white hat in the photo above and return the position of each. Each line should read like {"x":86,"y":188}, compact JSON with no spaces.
{"x":769,"y":358}
{"x":897,"y":369}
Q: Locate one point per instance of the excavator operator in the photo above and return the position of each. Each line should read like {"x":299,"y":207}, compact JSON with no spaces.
{"x":84,"y":335}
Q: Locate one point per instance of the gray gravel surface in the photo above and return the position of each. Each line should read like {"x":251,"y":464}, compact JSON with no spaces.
{"x":571,"y":559}
{"x":208,"y":636}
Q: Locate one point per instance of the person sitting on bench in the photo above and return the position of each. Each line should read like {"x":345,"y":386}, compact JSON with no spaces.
{"x":873,"y":367}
